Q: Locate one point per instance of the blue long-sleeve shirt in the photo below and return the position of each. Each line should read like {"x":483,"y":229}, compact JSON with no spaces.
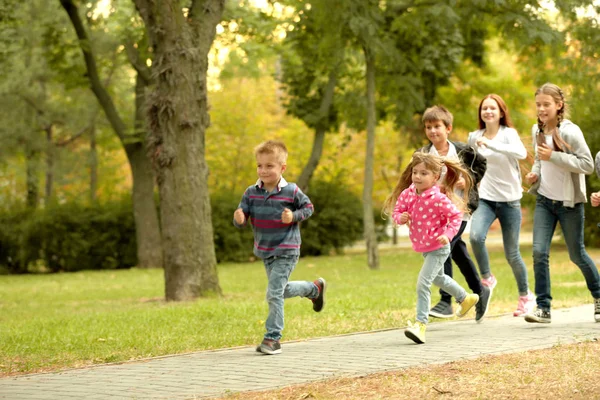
{"x":273,"y":237}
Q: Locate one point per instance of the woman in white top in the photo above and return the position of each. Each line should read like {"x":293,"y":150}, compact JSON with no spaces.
{"x":500,"y":194}
{"x":562,"y":159}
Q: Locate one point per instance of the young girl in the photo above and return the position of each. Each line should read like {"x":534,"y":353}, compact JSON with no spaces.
{"x":433,"y":221}
{"x":562,"y":158}
{"x":500,"y":195}
{"x":437,"y":121}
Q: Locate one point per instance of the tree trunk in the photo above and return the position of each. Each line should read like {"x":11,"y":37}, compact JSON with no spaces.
{"x":49,"y":165}
{"x":149,"y":249}
{"x":144,"y":208}
{"x":369,"y":220}
{"x":32,"y":169}
{"x":93,"y":160}
{"x":31,"y":161}
{"x":178,"y":118}
{"x":320,"y":130}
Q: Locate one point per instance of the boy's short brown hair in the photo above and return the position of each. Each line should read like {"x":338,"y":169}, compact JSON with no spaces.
{"x":273,"y":147}
{"x":438,"y":113}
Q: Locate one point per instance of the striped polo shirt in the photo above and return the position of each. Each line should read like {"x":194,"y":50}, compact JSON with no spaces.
{"x":272,"y":237}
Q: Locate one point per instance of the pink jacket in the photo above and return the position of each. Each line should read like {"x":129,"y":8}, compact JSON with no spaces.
{"x":432,"y":214}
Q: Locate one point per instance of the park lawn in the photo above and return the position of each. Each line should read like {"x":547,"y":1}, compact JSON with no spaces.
{"x":57,"y":321}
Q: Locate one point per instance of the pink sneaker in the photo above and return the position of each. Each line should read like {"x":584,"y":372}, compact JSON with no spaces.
{"x":490,"y":282}
{"x":525,"y":305}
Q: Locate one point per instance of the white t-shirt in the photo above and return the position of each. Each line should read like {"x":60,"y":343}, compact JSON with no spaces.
{"x":555,"y":176}
{"x":502,"y":178}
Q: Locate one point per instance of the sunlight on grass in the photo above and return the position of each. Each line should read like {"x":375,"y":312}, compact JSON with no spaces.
{"x":65,"y":320}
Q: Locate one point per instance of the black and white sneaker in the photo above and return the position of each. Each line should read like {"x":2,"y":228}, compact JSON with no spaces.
{"x":597,"y":310}
{"x":442,"y":310}
{"x":484,"y":301}
{"x":539,"y":315}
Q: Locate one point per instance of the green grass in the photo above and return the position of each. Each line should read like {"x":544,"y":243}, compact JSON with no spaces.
{"x":48,"y":322}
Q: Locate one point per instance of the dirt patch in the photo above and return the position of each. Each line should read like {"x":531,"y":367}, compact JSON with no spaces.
{"x":561,"y":372}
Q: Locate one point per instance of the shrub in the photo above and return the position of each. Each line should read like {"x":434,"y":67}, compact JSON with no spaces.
{"x":337,"y":221}
{"x":14,"y":227}
{"x":69,"y":237}
{"x":231,"y":243}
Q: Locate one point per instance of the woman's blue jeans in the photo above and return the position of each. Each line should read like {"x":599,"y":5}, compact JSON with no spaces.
{"x":509,"y":215}
{"x":432,"y":272}
{"x":547,"y":214}
{"x":279,"y":269}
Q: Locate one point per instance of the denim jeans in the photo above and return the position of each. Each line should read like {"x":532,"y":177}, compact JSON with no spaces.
{"x":547,"y":214}
{"x":279,"y":269}
{"x":461,"y":258}
{"x":509,"y":215}
{"x":432,"y":271}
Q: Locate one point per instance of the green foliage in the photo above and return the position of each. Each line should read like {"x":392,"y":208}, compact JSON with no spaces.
{"x":337,"y":221}
{"x":69,"y":237}
{"x":14,"y":236}
{"x":231,"y":243}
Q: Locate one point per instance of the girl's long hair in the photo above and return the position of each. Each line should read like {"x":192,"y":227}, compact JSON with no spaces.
{"x":434,"y":164}
{"x":504,"y":114}
{"x":558,"y":96}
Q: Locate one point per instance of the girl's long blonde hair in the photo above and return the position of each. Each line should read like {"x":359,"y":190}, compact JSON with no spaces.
{"x":434,"y":164}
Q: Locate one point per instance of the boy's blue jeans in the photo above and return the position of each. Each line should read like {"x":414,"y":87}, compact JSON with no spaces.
{"x":279,"y":269}
{"x":432,"y":271}
{"x":509,"y":215}
{"x":547,"y":214}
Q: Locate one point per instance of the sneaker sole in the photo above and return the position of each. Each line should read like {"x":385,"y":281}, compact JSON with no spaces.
{"x":439,"y":315}
{"x":531,"y":318}
{"x":270,"y":352}
{"x":413,"y":337}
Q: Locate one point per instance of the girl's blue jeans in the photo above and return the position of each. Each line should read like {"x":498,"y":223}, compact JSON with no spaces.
{"x":279,"y":269}
{"x":432,"y":272}
{"x":547,"y":214}
{"x":509,"y":215}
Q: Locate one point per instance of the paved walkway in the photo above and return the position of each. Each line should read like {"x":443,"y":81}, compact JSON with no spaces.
{"x":216,"y":373}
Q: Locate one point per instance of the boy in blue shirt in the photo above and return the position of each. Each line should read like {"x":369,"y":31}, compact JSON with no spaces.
{"x":275,"y":208}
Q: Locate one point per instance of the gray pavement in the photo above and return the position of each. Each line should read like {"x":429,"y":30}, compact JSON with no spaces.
{"x":218,"y":373}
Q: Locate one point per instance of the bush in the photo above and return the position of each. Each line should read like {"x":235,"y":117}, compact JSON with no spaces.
{"x":231,"y":243}
{"x":337,"y":221}
{"x":69,"y":237}
{"x":14,"y":227}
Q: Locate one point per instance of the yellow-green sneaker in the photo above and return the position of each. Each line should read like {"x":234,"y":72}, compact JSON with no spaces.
{"x":416,"y":332}
{"x":467,"y":304}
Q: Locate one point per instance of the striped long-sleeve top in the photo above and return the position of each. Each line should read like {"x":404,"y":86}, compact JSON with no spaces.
{"x":273,"y":237}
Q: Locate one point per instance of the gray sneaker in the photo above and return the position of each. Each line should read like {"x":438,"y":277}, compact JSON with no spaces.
{"x":484,"y":301}
{"x":269,"y":346}
{"x":539,"y":315}
{"x":442,"y":310}
{"x":597,"y":310}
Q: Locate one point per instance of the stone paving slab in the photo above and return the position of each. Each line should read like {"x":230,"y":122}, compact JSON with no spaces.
{"x":216,"y":373}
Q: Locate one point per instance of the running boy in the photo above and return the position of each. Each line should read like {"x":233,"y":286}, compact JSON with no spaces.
{"x":274,"y":208}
